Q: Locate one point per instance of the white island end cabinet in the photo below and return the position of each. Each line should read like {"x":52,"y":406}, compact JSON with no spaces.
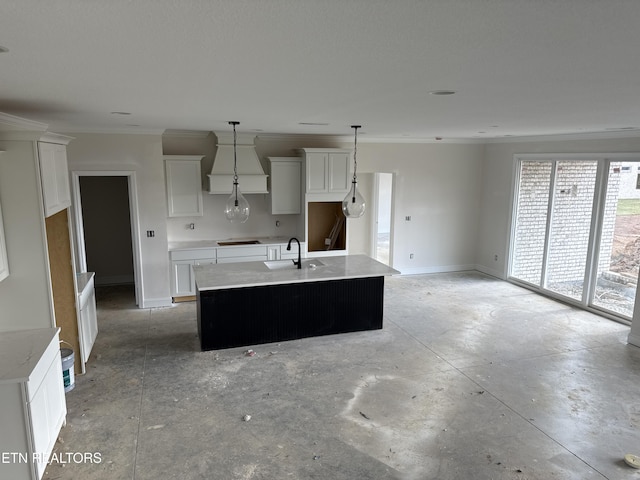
{"x":33,"y":402}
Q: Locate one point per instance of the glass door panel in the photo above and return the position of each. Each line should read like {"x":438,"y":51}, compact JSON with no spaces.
{"x":531,"y":221}
{"x":619,"y":249}
{"x":570,"y":227}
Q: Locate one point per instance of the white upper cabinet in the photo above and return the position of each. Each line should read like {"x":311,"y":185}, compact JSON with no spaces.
{"x":184,"y":185}
{"x":284,"y":192}
{"x":327,"y":170}
{"x":54,"y":176}
{"x":4,"y":263}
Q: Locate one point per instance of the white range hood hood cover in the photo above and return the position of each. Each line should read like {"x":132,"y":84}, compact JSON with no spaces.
{"x":251,"y":176}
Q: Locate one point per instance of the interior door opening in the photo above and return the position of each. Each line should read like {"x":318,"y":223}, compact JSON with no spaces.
{"x":106,"y":226}
{"x":382,"y":197}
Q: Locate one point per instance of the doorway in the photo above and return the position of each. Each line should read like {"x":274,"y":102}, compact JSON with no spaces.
{"x":382,"y":198}
{"x":106,"y":227}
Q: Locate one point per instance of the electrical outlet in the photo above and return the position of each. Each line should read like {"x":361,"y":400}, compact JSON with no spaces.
{"x":411,"y":256}
{"x":151,"y":233}
{"x":407,"y":218}
{"x":495,"y":258}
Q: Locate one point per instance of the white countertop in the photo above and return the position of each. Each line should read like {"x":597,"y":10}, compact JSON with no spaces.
{"x":250,"y":274}
{"x":21,"y":350}
{"x":196,"y":244}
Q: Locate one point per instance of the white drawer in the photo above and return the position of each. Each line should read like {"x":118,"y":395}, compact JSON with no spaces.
{"x":248,"y":251}
{"x":195,"y":254}
{"x":251,"y":258}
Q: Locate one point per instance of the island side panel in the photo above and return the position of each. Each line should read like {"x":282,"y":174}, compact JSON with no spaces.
{"x":253,"y":315}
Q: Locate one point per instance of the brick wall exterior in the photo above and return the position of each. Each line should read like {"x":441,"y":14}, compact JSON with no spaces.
{"x":572,"y":207}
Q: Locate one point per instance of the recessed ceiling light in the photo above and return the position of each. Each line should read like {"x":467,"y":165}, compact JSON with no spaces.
{"x":3,"y":49}
{"x":442,"y":92}
{"x":120,"y":113}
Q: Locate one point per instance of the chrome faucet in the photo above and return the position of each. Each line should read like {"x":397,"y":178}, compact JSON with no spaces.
{"x":299,"y":262}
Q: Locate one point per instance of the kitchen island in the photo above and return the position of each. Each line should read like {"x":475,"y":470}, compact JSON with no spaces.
{"x":249,"y":303}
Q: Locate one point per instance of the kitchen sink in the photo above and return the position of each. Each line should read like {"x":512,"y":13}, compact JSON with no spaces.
{"x":238,"y":242}
{"x":288,"y":264}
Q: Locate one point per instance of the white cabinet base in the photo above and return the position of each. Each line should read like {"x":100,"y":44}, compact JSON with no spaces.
{"x":32,"y":398}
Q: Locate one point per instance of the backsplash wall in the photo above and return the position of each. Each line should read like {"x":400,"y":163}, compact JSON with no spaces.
{"x":214,"y":226}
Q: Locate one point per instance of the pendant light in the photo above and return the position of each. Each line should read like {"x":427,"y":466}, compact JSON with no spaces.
{"x":237,"y":208}
{"x":353,"y":203}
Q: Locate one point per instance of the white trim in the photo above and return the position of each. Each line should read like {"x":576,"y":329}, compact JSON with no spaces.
{"x":633,"y":340}
{"x":135,"y":222}
{"x":438,"y":269}
{"x":620,"y":156}
{"x":113,"y":131}
{"x":13,"y":123}
{"x":491,"y":271}
{"x":156,"y":302}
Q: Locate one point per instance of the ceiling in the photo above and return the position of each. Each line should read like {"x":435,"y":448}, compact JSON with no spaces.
{"x":518,"y":67}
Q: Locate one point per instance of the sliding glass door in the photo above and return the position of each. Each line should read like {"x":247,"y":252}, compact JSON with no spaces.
{"x":576,"y":230}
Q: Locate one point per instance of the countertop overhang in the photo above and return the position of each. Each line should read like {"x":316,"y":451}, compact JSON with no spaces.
{"x":253,"y":274}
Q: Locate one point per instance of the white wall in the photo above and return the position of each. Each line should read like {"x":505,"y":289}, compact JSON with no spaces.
{"x":25,"y":296}
{"x":439,"y":186}
{"x":143,"y":155}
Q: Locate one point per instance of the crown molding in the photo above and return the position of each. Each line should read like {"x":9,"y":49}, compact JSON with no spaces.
{"x":610,"y":135}
{"x":13,"y":123}
{"x":113,"y":131}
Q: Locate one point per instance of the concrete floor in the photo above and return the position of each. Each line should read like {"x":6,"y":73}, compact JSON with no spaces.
{"x":471,"y":378}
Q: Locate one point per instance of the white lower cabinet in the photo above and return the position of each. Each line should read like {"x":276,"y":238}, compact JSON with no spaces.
{"x":183,"y":260}
{"x":183,"y":283}
{"x":245,"y":253}
{"x":33,"y":402}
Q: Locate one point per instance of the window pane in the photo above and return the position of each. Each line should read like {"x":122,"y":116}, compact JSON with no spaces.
{"x":531,"y":221}
{"x":620,"y":242}
{"x":570,"y":227}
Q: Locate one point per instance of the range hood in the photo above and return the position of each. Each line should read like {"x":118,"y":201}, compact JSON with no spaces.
{"x":251,"y":176}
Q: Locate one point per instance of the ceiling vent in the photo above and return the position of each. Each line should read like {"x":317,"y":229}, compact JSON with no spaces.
{"x":251,"y":176}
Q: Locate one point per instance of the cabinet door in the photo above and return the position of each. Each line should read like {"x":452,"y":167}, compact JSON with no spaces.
{"x":285,"y":187}
{"x":182,"y":281}
{"x":184,"y":188}
{"x":62,"y":176}
{"x":339,"y":172}
{"x":54,"y":177}
{"x":317,"y":172}
{"x":47,"y":410}
{"x":4,"y":262}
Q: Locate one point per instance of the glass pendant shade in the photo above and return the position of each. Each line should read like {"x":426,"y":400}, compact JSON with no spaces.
{"x":237,"y":208}
{"x":353,"y":204}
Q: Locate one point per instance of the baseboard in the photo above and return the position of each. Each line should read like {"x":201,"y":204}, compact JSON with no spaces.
{"x":633,"y":340}
{"x":490,"y":271}
{"x":156,"y":302}
{"x":437,"y":269}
